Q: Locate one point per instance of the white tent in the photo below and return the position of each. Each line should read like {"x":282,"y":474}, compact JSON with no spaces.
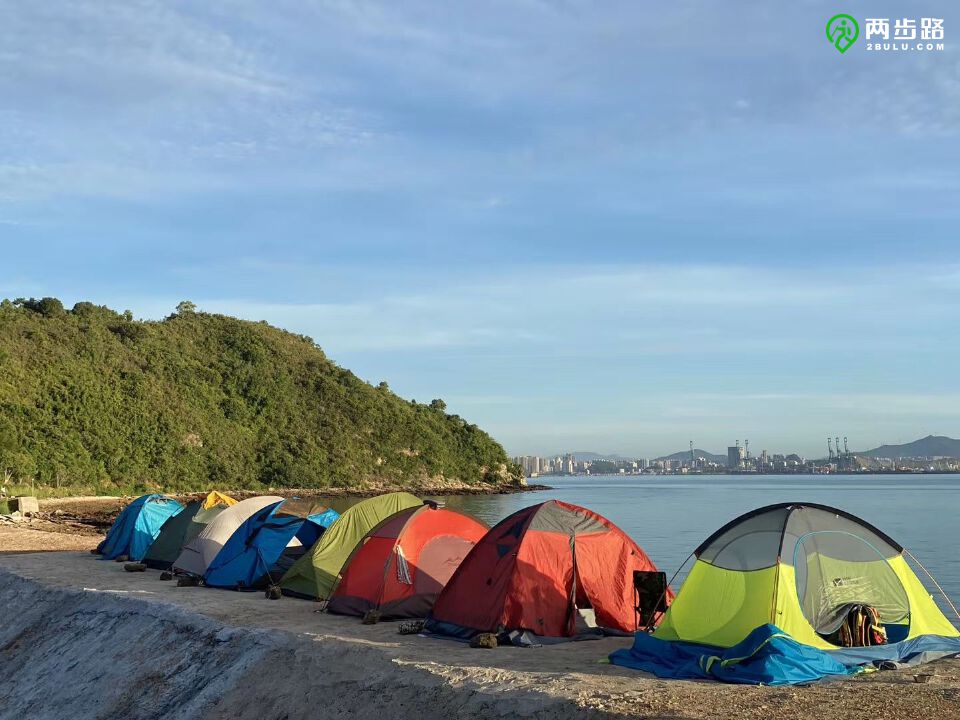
{"x":197,"y":555}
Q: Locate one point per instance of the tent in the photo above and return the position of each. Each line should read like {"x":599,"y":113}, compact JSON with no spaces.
{"x":197,"y":555}
{"x":137,"y":526}
{"x":535,"y":572}
{"x":166,"y":546}
{"x":801,"y":567}
{"x":314,"y":575}
{"x":251,"y":558}
{"x":183,"y":527}
{"x":403,"y":563}
{"x":216,"y":498}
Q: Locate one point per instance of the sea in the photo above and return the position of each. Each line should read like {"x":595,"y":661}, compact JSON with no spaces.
{"x":670,"y":515}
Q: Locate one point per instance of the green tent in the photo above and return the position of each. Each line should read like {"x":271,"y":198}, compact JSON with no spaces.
{"x":315,"y":574}
{"x":165,"y":548}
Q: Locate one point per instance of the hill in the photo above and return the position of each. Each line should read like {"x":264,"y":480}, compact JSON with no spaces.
{"x":94,"y":400}
{"x":685,"y":455}
{"x":930,"y":446}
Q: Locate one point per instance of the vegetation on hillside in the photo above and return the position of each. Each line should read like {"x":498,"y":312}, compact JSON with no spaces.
{"x":93,"y":400}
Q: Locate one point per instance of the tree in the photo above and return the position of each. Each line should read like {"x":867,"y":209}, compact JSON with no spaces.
{"x":438,"y":404}
{"x":186,"y":307}
{"x":48,"y":306}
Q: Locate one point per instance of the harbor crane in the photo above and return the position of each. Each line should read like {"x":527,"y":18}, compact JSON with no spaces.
{"x":830,"y":449}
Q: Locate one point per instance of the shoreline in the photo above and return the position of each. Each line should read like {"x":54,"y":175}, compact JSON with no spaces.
{"x":197,"y":652}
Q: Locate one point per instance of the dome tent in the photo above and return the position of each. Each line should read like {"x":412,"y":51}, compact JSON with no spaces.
{"x":197,"y":555}
{"x":183,"y":527}
{"x":797,"y":566}
{"x":403,"y":563}
{"x":792,"y":571}
{"x":535,"y":570}
{"x":166,"y":547}
{"x":251,"y":557}
{"x":315,"y":574}
{"x":137,"y":526}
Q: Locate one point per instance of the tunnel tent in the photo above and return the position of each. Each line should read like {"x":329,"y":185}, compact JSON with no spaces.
{"x":540,"y":570}
{"x":180,"y":529}
{"x":314,"y":575}
{"x":253,"y":556}
{"x":197,"y":554}
{"x":136,"y":527}
{"x":798,"y":570}
{"x":403,"y":563}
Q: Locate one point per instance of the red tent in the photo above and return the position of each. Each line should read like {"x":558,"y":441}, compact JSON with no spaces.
{"x":403,"y":563}
{"x":536,"y":569}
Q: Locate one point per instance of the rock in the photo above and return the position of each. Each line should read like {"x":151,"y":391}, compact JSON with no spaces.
{"x":166,"y":575}
{"x":371,"y":617}
{"x":273,"y":592}
{"x":484,"y":640}
{"x":412,"y":627}
{"x":135,"y":567}
{"x":26,"y":505}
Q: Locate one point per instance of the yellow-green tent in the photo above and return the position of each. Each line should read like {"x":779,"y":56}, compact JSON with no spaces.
{"x":799,"y":567}
{"x":315,"y":574}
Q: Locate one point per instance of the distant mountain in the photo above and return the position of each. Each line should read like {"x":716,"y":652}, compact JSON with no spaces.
{"x":685,"y":455}
{"x":930,"y":446}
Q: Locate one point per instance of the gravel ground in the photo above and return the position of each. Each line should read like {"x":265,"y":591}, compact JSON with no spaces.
{"x":198,"y":652}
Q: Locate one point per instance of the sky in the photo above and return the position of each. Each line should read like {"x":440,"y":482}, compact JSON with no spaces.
{"x":611,"y":227}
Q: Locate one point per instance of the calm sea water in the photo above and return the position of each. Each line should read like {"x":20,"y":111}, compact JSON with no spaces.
{"x":669,"y":516}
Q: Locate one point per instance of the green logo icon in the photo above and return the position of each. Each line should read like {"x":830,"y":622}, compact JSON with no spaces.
{"x":842,"y":31}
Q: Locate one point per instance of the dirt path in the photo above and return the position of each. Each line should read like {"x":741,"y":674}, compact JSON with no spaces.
{"x":16,"y":539}
{"x":199,"y":652}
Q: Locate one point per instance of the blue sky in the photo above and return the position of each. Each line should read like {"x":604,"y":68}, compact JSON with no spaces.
{"x":612,"y":228}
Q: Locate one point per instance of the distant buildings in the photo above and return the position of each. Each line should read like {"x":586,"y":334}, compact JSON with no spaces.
{"x":738,"y":461}
{"x":736,"y":457}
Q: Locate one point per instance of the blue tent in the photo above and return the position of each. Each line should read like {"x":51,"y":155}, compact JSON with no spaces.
{"x":267,"y":543}
{"x":137,"y":526}
{"x":767,"y":656}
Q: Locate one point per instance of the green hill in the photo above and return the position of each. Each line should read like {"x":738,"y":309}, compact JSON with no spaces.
{"x":95,"y":401}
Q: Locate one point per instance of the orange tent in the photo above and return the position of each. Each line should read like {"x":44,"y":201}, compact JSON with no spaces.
{"x":403,"y":563}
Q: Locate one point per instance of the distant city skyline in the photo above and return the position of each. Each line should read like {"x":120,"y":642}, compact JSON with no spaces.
{"x":613,"y":231}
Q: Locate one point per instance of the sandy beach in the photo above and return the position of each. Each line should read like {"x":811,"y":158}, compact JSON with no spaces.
{"x":88,"y":640}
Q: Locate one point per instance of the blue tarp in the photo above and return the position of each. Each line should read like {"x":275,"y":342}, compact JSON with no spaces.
{"x":768,"y":656}
{"x":925,"y":648}
{"x":251,"y":553}
{"x":137,"y":526}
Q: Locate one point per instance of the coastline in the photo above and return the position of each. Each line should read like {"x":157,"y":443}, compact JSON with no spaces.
{"x":202,"y":653}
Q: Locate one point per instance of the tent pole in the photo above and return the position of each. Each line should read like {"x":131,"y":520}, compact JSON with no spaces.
{"x":934,"y":581}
